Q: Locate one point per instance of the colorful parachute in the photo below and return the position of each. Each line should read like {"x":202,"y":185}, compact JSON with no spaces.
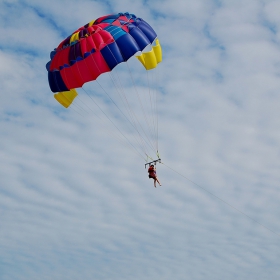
{"x":98,"y":47}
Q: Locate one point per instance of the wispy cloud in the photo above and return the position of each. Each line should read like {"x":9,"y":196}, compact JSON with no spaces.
{"x":76,"y":203}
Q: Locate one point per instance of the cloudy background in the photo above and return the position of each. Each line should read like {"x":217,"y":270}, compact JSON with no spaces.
{"x":75,"y":200}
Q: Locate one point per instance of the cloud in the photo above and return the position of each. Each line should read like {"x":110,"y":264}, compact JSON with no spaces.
{"x":76,"y":202}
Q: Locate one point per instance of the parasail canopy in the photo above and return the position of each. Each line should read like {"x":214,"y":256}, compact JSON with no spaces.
{"x":98,"y":47}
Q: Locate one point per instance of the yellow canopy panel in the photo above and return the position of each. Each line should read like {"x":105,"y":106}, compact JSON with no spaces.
{"x":151,"y":59}
{"x":91,"y":23}
{"x":74,"y":37}
{"x":65,"y":98}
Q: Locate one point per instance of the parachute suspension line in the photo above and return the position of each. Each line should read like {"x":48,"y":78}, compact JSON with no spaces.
{"x":78,"y":98}
{"x":135,"y":88}
{"x":104,"y":91}
{"x":140,"y":101}
{"x":156,"y":111}
{"x":151,"y":104}
{"x":153,"y":110}
{"x":141,"y":138}
{"x":115,"y":135}
{"x":147,"y":137}
{"x":228,"y":204}
{"x":79,"y":105}
{"x":134,"y":118}
{"x":113,"y":124}
{"x":156,"y":103}
{"x":72,"y":107}
{"x":123,"y":97}
{"x":155,"y":80}
{"x":143,"y":146}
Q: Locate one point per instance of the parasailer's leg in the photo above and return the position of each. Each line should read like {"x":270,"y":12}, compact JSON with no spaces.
{"x":156,"y":180}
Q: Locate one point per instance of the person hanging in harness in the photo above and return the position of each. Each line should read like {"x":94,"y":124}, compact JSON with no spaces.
{"x":153,"y":174}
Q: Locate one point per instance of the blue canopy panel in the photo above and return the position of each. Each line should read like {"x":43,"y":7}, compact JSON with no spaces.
{"x":55,"y":81}
{"x":109,"y":20}
{"x":147,"y":30}
{"x":112,"y":55}
{"x":115,"y":31}
{"x":128,"y":46}
{"x":137,"y":34}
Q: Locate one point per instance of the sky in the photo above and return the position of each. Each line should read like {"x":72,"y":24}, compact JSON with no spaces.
{"x":75,"y":198}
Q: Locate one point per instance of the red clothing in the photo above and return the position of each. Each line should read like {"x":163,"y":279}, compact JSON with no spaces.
{"x":152,"y":172}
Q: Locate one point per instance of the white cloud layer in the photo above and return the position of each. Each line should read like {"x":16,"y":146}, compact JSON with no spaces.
{"x":75,"y":200}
